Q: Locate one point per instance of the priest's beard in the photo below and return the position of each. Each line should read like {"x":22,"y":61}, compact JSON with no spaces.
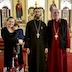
{"x":37,"y":17}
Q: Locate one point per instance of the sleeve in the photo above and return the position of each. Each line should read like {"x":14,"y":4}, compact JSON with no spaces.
{"x":49,"y":34}
{"x":16,"y":34}
{"x":21,"y":35}
{"x":68,"y":37}
{"x":6,"y":37}
{"x":27,"y":36}
{"x":45,"y":36}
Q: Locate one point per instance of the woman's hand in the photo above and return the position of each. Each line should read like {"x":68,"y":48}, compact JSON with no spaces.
{"x":68,"y":50}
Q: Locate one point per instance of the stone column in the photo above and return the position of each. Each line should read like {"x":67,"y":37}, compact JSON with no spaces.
{"x":71,"y":28}
{"x":46,"y":11}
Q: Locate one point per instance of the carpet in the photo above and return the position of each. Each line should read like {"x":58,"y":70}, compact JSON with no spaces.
{"x":69,"y":61}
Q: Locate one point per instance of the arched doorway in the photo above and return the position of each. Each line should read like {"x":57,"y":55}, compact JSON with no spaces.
{"x":5,"y":7}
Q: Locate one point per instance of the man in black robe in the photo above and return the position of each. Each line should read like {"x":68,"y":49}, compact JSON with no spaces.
{"x":35,"y":42}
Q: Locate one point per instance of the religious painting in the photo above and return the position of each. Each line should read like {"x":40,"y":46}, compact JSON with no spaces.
{"x":52,"y":7}
{"x":19,"y":11}
{"x":42,"y":13}
{"x":66,"y":15}
{"x":30,"y":13}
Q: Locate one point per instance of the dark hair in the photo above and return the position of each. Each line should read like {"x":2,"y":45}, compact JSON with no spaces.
{"x":16,"y":24}
{"x":36,"y":8}
{"x":10,"y":18}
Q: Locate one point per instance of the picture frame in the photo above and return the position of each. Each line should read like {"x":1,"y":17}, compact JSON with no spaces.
{"x":66,"y":15}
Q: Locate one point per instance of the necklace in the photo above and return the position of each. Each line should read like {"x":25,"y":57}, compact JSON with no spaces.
{"x":37,"y":29}
{"x":56,"y":32}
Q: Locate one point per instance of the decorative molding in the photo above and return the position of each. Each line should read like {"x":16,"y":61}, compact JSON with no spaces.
{"x":65,"y":3}
{"x":5,"y":3}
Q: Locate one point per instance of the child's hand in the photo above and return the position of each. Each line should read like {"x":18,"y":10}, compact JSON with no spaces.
{"x":20,"y":41}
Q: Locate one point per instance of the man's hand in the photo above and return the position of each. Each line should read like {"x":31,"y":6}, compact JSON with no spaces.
{"x":46,"y":50}
{"x":28,"y":51}
{"x":68,"y":50}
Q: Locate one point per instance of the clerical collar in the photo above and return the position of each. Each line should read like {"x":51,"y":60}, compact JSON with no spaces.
{"x":37,"y":19}
{"x":57,"y":21}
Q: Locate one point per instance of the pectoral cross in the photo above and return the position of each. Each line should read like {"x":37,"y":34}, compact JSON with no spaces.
{"x":38,"y":35}
{"x":56,"y":36}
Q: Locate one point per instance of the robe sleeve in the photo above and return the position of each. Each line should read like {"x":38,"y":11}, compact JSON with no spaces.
{"x":7,"y":38}
{"x":45,"y":36}
{"x":68,"y":37}
{"x":49,"y":34}
{"x":27,"y":36}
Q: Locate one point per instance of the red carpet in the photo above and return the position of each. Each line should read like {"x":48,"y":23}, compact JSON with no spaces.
{"x":69,"y":60}
{"x":1,"y":62}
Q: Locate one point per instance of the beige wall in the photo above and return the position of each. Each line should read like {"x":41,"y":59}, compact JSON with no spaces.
{"x":71,"y":20}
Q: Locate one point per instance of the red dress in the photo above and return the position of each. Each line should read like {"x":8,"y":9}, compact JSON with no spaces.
{"x":57,"y":57}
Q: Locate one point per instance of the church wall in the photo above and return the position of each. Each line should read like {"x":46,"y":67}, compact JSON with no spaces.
{"x":49,"y":2}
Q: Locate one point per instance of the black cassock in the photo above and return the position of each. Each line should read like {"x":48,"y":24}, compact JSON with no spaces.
{"x":36,"y":58}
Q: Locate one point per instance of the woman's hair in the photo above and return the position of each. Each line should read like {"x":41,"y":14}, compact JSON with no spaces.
{"x":10,"y":18}
{"x":16,"y":24}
